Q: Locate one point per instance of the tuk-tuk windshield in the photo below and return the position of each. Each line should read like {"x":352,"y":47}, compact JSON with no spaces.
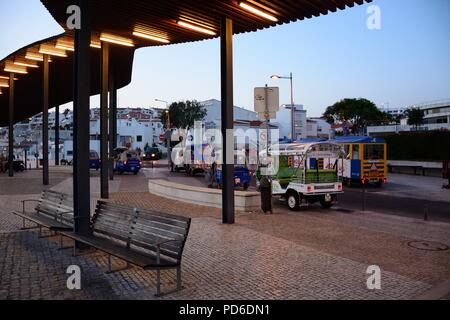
{"x":374,"y":151}
{"x":93,"y":155}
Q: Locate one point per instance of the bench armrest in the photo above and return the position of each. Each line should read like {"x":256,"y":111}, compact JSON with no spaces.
{"x":158,"y":247}
{"x":28,"y":200}
{"x":169,"y":240}
{"x":65,"y":212}
{"x":60,"y":214}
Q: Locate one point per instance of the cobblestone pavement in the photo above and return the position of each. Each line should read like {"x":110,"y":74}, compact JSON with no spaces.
{"x":310,"y":254}
{"x":220,"y":262}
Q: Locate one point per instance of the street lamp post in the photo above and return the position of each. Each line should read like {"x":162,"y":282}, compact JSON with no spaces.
{"x":276,"y":77}
{"x":167,"y":111}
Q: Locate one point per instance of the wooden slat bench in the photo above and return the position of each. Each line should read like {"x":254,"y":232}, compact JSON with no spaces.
{"x":54,"y":211}
{"x":145,"y":238}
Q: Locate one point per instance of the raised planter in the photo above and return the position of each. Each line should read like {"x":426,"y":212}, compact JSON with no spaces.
{"x":243,"y":200}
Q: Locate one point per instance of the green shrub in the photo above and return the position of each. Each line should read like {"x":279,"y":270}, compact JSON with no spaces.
{"x":425,"y":146}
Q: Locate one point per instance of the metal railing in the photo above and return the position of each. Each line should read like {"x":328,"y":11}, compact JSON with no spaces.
{"x":314,"y":179}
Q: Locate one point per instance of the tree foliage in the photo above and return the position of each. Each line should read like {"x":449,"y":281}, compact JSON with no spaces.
{"x":415,"y":116}
{"x":183,"y":114}
{"x":358,"y":113}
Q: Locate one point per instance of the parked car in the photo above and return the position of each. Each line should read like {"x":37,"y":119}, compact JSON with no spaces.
{"x":242,"y":177}
{"x":65,"y":162}
{"x":127,"y":162}
{"x":94,"y":160}
{"x":18,"y":165}
{"x":152,"y":153}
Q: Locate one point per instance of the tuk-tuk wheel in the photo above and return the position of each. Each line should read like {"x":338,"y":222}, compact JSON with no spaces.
{"x":293,"y":200}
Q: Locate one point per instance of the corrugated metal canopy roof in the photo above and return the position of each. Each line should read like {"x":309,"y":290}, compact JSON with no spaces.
{"x":160,"y":19}
{"x":28,"y":87}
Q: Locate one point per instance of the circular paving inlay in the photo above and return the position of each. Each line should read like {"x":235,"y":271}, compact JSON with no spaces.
{"x":428,"y":245}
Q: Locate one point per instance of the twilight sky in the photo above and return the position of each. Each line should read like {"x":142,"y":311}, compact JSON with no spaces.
{"x":332,"y":57}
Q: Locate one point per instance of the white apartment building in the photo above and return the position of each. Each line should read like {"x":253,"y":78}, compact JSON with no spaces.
{"x":213,"y":115}
{"x":436,"y":117}
{"x":130,"y":132}
{"x":283,"y":121}
{"x":317,"y":128}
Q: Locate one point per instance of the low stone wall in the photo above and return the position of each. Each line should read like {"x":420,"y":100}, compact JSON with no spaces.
{"x":244,"y":200}
{"x":423,"y":168}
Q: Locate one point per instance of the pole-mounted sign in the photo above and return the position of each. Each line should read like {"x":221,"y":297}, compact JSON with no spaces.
{"x":267,"y":102}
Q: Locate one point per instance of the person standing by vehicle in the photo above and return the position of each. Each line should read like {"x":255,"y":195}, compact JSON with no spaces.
{"x":2,"y":162}
{"x":266,"y":194}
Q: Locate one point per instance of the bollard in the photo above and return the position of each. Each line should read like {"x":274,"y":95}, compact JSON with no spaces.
{"x":425,"y":213}
{"x":363,"y":196}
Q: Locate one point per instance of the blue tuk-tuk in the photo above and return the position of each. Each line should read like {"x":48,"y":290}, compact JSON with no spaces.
{"x":94,"y":160}
{"x":126,"y":162}
{"x":242,"y":177}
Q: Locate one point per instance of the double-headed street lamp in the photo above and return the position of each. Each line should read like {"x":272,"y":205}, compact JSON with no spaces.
{"x":276,"y":77}
{"x":167,"y":111}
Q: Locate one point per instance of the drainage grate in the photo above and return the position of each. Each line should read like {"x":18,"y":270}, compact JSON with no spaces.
{"x":428,"y":245}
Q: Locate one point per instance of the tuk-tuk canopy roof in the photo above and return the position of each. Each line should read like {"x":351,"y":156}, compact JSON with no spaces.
{"x":358,"y":139}
{"x":302,"y":149}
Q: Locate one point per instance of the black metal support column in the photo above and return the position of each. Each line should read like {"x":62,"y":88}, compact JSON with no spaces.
{"x":112,"y":121}
{"x":11,"y":126}
{"x":81,"y":88}
{"x":226,"y":67}
{"x":45,"y":120}
{"x":57,"y":136}
{"x":104,"y":166}
{"x":114,"y":109}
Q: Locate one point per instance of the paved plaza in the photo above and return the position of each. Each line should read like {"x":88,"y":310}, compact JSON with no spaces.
{"x":309,"y":254}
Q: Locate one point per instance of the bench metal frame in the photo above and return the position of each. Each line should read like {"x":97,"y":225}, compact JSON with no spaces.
{"x":133,"y":214}
{"x":56,"y":215}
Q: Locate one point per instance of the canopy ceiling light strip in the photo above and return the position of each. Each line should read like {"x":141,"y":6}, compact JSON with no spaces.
{"x":117,"y":40}
{"x":25,"y":64}
{"x":150,"y":37}
{"x":52,"y":51}
{"x":195,"y":27}
{"x":257,"y":11}
{"x":11,"y":67}
{"x":7,"y":78}
{"x":96,"y":45}
{"x":34,"y":56}
{"x":65,"y":47}
{"x":14,"y":70}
